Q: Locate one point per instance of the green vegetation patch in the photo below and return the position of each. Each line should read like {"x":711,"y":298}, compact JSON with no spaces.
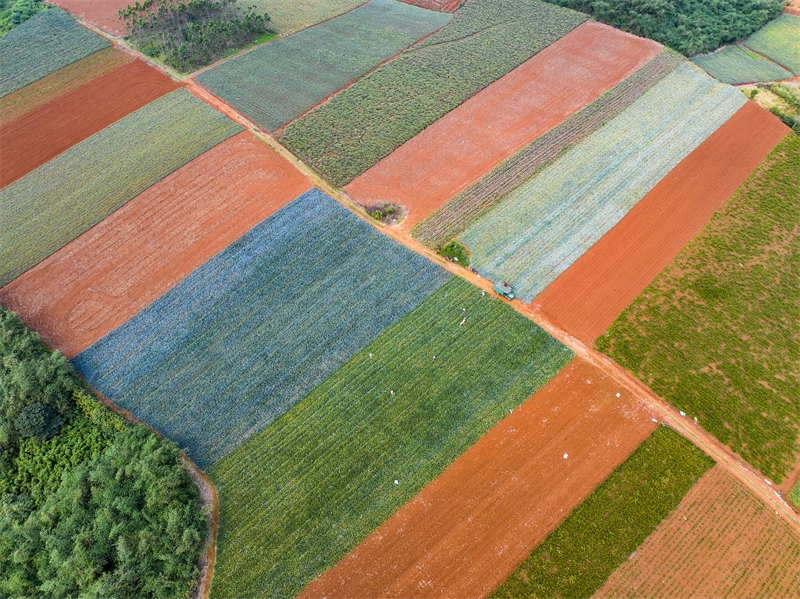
{"x":89,"y":505}
{"x":455,"y":252}
{"x":688,"y":26}
{"x":15,"y":12}
{"x":54,"y":204}
{"x":301,"y":494}
{"x":716,"y":332}
{"x":485,"y":40}
{"x":794,"y":494}
{"x":599,"y":535}
{"x":736,"y":64}
{"x":779,"y":40}
{"x":288,"y":16}
{"x":43,"y":44}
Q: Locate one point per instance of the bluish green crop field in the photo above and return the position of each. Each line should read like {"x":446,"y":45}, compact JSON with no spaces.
{"x":779,"y":40}
{"x":736,"y":64}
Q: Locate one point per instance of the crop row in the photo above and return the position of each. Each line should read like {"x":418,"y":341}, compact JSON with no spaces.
{"x":301,"y":494}
{"x":54,"y":204}
{"x":600,"y":535}
{"x":779,"y":40}
{"x":288,"y":16}
{"x":361,"y":125}
{"x":715,"y":333}
{"x":255,"y":328}
{"x":278,"y":82}
{"x":455,"y":216}
{"x":736,"y":64}
{"x":551,"y":220}
{"x":45,"y":43}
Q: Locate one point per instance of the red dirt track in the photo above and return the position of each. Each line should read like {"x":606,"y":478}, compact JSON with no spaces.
{"x":39,"y":136}
{"x":450,"y":155}
{"x":589,"y":295}
{"x":101,"y":13}
{"x":464,"y":533}
{"x":108,"y":274}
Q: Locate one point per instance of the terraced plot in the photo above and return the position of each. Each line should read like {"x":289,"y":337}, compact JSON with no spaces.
{"x":461,"y":147}
{"x":278,"y":82}
{"x":250,"y":332}
{"x":736,"y":64}
{"x":540,"y":229}
{"x":301,"y":494}
{"x":42,"y":45}
{"x":364,"y":123}
{"x":779,"y":40}
{"x":73,"y":192}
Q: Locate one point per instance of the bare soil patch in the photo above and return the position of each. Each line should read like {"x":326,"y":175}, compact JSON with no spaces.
{"x":101,"y":13}
{"x":443,"y":5}
{"x":42,"y":134}
{"x":457,"y":150}
{"x":108,"y":274}
{"x":588,"y":296}
{"x":474,"y":524}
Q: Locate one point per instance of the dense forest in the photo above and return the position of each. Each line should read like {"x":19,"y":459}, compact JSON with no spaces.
{"x":16,"y":12}
{"x":90,"y":505}
{"x":189,"y":35}
{"x":688,"y":26}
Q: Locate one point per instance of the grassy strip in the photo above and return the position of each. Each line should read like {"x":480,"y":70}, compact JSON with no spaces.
{"x":455,"y":216}
{"x":364,"y":123}
{"x":779,"y":40}
{"x":794,"y":494}
{"x":716,"y":332}
{"x":278,"y":82}
{"x":736,"y":64}
{"x":288,"y":16}
{"x":54,"y":204}
{"x":599,"y":535}
{"x":48,"y":41}
{"x":251,"y":332}
{"x":301,"y":494}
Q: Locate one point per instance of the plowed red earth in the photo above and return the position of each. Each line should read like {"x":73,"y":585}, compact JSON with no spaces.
{"x":108,"y":274}
{"x":101,"y":13}
{"x":457,"y":150}
{"x":444,"y":5}
{"x":39,"y":136}
{"x":588,"y":296}
{"x":464,"y":533}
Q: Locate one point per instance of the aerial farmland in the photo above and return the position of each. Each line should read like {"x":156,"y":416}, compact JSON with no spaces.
{"x":399,"y":298}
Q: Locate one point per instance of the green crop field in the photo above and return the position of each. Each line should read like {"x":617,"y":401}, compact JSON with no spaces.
{"x":364,"y":123}
{"x":736,"y":64}
{"x":779,"y":40}
{"x":54,"y":204}
{"x":302,"y":493}
{"x":288,"y":16}
{"x":455,"y":216}
{"x":278,"y":82}
{"x":599,"y":535}
{"x":716,"y":332}
{"x":45,"y":43}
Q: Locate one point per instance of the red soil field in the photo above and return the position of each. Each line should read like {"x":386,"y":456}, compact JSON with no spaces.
{"x":588,"y":296}
{"x":450,"y":155}
{"x":108,"y":274}
{"x":42,"y":134}
{"x":101,"y":13}
{"x":467,"y":531}
{"x":721,"y":541}
{"x":443,"y":5}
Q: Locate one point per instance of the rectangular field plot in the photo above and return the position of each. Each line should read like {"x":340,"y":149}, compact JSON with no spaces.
{"x":73,"y":192}
{"x":41,"y":135}
{"x":121,"y":265}
{"x":278,"y":82}
{"x":600,"y":535}
{"x":45,"y":43}
{"x":461,"y":147}
{"x":364,"y":123}
{"x":250,"y":332}
{"x":288,"y":16}
{"x":779,"y":40}
{"x":715,"y":333}
{"x":590,"y":294}
{"x":301,"y":494}
{"x":736,"y":64}
{"x":508,"y":490}
{"x":721,"y":541}
{"x":547,"y":223}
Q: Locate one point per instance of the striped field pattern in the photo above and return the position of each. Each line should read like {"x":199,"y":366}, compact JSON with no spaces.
{"x":736,"y":64}
{"x":779,"y":40}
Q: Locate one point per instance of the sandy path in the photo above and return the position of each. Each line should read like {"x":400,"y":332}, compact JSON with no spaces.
{"x":108,"y":274}
{"x":587,"y":297}
{"x":465,"y":532}
{"x":39,"y":136}
{"x":458,"y":149}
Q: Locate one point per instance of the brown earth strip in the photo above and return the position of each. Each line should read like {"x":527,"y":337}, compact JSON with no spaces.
{"x":108,"y":274}
{"x":588,"y":296}
{"x":474,"y":524}
{"x":721,"y":541}
{"x":443,"y":5}
{"x":61,"y":82}
{"x":39,"y":136}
